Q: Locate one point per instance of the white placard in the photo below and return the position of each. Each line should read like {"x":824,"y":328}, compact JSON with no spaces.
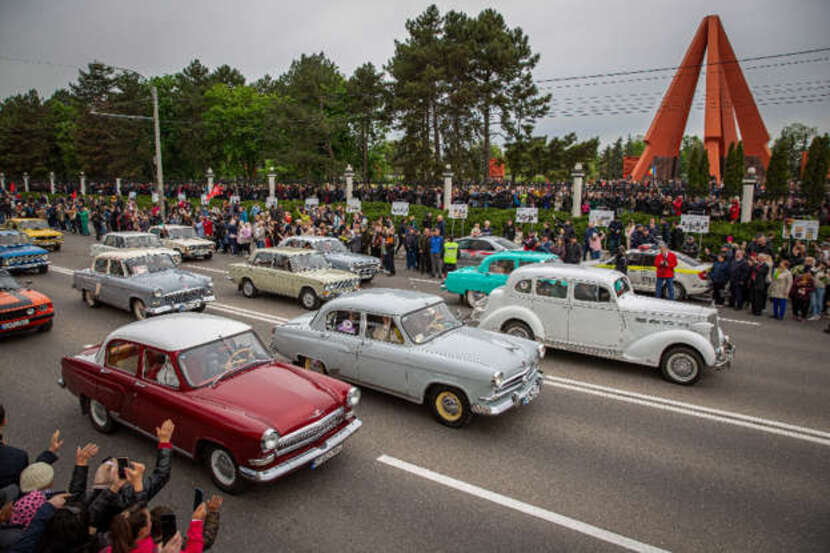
{"x":458,"y":211}
{"x":234,"y":199}
{"x":400,"y":208}
{"x":271,"y":201}
{"x":132,"y":195}
{"x":804,"y":229}
{"x":527,"y":215}
{"x":601,"y":217}
{"x":698,"y":224}
{"x":312,"y":202}
{"x":204,"y":199}
{"x":182,"y":197}
{"x":155,"y":197}
{"x":354,"y":206}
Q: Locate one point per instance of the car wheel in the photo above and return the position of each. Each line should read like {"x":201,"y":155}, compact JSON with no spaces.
{"x":450,"y":406}
{"x":224,"y":471}
{"x":139,"y":310}
{"x":309,"y":299}
{"x":518,"y":328}
{"x":679,"y":292}
{"x":209,"y":255}
{"x":42,"y":269}
{"x":472,"y":297}
{"x":248,"y":288}
{"x":57,"y":247}
{"x":89,"y":298}
{"x":315,"y":365}
{"x":201,"y":308}
{"x":45,"y":327}
{"x":100,"y":418}
{"x":681,"y":365}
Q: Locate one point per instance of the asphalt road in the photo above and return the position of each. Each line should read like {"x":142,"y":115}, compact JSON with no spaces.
{"x":609,"y":458}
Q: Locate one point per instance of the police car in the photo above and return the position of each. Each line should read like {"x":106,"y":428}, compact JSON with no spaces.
{"x":691,"y":277}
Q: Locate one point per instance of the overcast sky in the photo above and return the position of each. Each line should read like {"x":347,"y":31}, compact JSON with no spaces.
{"x":576,"y":37}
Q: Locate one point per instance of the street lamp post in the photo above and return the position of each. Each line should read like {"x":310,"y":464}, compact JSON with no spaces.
{"x":26,"y":182}
{"x":576,"y":197}
{"x":448,"y":186}
{"x":272,"y":185}
{"x":159,"y":170}
{"x":349,"y":174}
{"x":118,"y":186}
{"x":83,"y":184}
{"x":52,"y":182}
{"x":748,"y":195}
{"x":209,"y":180}
{"x":3,"y":181}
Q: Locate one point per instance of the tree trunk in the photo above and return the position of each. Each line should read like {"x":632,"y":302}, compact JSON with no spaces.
{"x":435,"y":133}
{"x":486,"y":146}
{"x":365,"y":140}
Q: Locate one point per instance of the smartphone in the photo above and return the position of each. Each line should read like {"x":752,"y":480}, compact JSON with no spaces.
{"x":198,"y":497}
{"x":168,"y":527}
{"x":123,"y":463}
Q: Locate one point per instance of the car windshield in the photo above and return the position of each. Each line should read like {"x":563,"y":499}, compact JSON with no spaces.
{"x":14,"y":239}
{"x":150,"y":264}
{"x":622,"y":286}
{"x":505,"y":243}
{"x":143,"y":241}
{"x":179,"y":233}
{"x":308,"y":262}
{"x":685,"y":259}
{"x":33,"y":224}
{"x":330,"y":246}
{"x":427,"y":323}
{"x":208,"y":362}
{"x":7,"y":282}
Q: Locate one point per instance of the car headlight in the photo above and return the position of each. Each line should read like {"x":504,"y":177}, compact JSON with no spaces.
{"x":497,"y":379}
{"x":270,"y":440}
{"x":157,"y":292}
{"x":328,"y":287}
{"x":43,"y":307}
{"x":540,"y":349}
{"x":4,"y":261}
{"x":353,"y":397}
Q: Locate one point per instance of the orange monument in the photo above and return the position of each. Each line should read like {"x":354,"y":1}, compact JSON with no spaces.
{"x":727,"y":98}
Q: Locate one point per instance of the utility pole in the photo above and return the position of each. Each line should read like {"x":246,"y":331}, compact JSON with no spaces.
{"x":159,"y":171}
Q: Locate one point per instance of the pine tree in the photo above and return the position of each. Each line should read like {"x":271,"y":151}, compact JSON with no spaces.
{"x":814,"y":182}
{"x":692,"y":170}
{"x":703,"y":173}
{"x":778,"y":170}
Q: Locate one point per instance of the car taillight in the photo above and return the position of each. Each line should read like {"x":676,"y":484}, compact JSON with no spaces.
{"x":703,"y":275}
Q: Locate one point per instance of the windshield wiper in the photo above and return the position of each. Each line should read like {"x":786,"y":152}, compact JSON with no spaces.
{"x":248,"y":365}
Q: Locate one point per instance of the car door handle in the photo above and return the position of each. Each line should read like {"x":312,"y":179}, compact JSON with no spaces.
{"x":139,"y":384}
{"x":105,"y":371}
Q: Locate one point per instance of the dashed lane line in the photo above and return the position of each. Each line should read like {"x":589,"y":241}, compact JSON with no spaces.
{"x":522,"y":507}
{"x":200,"y":268}
{"x":738,"y":321}
{"x":426,"y":281}
{"x":727,"y":417}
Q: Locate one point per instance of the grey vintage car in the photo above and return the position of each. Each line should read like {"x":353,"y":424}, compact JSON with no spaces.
{"x":144,"y":282}
{"x":337,"y":254}
{"x":410,"y":345}
{"x":132,"y":240}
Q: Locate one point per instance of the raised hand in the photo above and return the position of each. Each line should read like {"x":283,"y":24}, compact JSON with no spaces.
{"x":135,"y":475}
{"x":165,"y":431}
{"x":215,"y":503}
{"x":59,"y":500}
{"x":173,"y":545}
{"x":55,"y":442}
{"x":84,"y":454}
{"x":200,"y":512}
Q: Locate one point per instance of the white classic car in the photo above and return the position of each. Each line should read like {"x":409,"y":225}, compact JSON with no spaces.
{"x":594,"y":311}
{"x":184,"y":240}
{"x":132,"y":240}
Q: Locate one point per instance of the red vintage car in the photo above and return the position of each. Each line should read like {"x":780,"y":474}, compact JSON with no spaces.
{"x":23,"y":308}
{"x":248,"y":417}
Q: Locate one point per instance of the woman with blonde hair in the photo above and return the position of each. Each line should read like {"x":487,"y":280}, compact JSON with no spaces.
{"x":779,"y":289}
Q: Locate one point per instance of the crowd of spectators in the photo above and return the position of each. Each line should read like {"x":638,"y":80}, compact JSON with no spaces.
{"x":115,"y":514}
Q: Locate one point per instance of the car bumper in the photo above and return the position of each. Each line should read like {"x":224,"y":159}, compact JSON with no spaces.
{"x":25,"y":266}
{"x":519,"y":398}
{"x":724,"y":354}
{"x":197,"y":253}
{"x":21,"y":325}
{"x":302,"y":459}
{"x":178,"y":307}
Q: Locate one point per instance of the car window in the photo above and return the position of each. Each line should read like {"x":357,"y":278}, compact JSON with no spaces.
{"x":523,"y":262}
{"x":156,"y":231}
{"x":383,"y":329}
{"x":109,"y":240}
{"x":101,"y":265}
{"x":158,"y":368}
{"x":466,"y":244}
{"x":523,"y":286}
{"x":281,"y":262}
{"x":123,"y":356}
{"x":120,"y":242}
{"x":501,"y":266}
{"x":584,"y":291}
{"x":648,"y":259}
{"x":552,"y":288}
{"x":344,"y":322}
{"x":483,"y":245}
{"x":635,"y":259}
{"x":116,"y":269}
{"x":263,"y":259}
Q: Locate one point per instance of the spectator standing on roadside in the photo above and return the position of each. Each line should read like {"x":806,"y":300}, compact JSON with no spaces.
{"x":509,"y":231}
{"x":719,"y":275}
{"x":738,"y":275}
{"x":780,"y":288}
{"x":573,"y":253}
{"x":595,"y":244}
{"x":615,"y":234}
{"x":817,"y":297}
{"x":621,"y":261}
{"x":665,"y":262}
{"x":759,"y":279}
{"x":802,"y":289}
{"x":13,"y":461}
{"x":450,"y":255}
{"x":424,"y":257}
{"x":436,"y":249}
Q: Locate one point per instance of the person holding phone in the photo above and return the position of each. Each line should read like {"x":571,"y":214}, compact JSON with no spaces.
{"x":164,"y":523}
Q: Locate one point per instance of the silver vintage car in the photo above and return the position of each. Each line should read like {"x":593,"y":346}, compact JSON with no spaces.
{"x":336,"y":253}
{"x":184,"y":240}
{"x":410,"y":345}
{"x":132,"y":240}
{"x":144,"y":282}
{"x":594,"y":311}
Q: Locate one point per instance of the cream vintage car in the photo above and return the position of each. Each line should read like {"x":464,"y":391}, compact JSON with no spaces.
{"x":184,"y":240}
{"x":594,"y":311}
{"x":292,"y":272}
{"x":132,"y":240}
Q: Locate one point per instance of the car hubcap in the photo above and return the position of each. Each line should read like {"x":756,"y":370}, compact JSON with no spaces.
{"x":99,"y":413}
{"x":518,"y":331}
{"x":682,"y":366}
{"x":248,"y":288}
{"x":308,"y":300}
{"x":88,"y":298}
{"x":448,"y":405}
{"x":139,"y":311}
{"x":223,"y":467}
{"x":473,"y":297}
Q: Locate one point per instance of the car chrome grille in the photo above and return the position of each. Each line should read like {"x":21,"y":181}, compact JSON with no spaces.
{"x":521,"y":378}
{"x":24,"y":259}
{"x":14,"y":314}
{"x":311,"y":433}
{"x":183,"y":296}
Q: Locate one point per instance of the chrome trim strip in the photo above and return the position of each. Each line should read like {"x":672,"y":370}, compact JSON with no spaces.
{"x":302,"y":459}
{"x":313,"y":429}
{"x":140,"y":431}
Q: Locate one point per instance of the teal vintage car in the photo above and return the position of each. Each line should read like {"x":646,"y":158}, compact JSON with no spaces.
{"x":472,"y":283}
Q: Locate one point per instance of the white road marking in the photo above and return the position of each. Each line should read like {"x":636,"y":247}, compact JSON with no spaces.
{"x":61,"y":270}
{"x":752,"y":323}
{"x":426,"y":281}
{"x":560,"y":520}
{"x":248,"y":312}
{"x":200,"y":268}
{"x":225,"y":310}
{"x":729,"y":417}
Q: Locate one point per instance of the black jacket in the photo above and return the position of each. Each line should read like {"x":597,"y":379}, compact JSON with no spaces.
{"x":573,"y":253}
{"x":14,"y":460}
{"x":739,"y":272}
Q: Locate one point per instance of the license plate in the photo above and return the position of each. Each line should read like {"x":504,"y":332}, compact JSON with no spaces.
{"x":15,"y":324}
{"x":326,"y":456}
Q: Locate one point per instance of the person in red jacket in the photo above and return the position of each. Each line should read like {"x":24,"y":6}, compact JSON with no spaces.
{"x":665,"y":262}
{"x":734,"y":210}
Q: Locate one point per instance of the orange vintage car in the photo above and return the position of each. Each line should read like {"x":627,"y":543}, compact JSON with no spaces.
{"x":23,"y":308}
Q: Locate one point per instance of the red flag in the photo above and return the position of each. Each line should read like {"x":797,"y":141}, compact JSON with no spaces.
{"x":74,"y":194}
{"x":11,"y":187}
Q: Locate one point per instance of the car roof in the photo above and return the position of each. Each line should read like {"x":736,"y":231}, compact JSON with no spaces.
{"x":10,"y":231}
{"x":129,"y":233}
{"x":390,"y":301}
{"x":178,"y":331}
{"x":130,"y":253}
{"x":312,"y":238}
{"x":522,"y":254}
{"x":171,"y":226}
{"x":286,"y":251}
{"x":544,"y":270}
{"x":27,"y":219}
